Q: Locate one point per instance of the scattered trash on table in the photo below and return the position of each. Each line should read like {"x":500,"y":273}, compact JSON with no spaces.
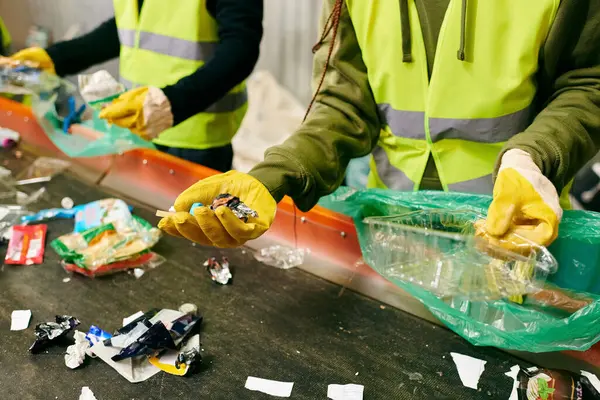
{"x":281,"y":256}
{"x":219,"y":272}
{"x":20,"y":320}
{"x":273,"y":388}
{"x":48,"y":332}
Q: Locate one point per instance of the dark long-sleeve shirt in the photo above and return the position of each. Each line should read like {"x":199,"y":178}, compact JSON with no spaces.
{"x":240,"y":32}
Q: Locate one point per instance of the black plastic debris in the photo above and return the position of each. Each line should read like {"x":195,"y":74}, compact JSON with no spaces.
{"x":239,"y":209}
{"x":158,"y":337}
{"x":219,"y":271}
{"x":47,"y":332}
{"x":190,"y":353}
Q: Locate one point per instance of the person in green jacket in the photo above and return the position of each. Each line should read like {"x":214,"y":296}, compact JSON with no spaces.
{"x":499,"y":97}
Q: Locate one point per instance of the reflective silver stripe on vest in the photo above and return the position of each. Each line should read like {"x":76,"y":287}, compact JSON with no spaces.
{"x":482,"y":185}
{"x":391,"y":176}
{"x":395,"y":179}
{"x":169,"y":46}
{"x":229,"y":103}
{"x":481,"y":130}
{"x":410,"y":124}
{"x":127,"y":37}
{"x":407,"y":124}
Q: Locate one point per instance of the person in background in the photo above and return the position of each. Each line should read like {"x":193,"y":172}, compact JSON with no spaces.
{"x":497,"y":97}
{"x":185,"y":63}
{"x":5,"y":39}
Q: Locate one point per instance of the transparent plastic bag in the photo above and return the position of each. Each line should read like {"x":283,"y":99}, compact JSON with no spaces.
{"x":438,"y":250}
{"x":281,"y":257}
{"x":49,"y":94}
{"x":44,"y":167}
{"x":536,"y":325}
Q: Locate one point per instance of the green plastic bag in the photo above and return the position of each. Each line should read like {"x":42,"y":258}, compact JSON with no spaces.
{"x":531,"y":327}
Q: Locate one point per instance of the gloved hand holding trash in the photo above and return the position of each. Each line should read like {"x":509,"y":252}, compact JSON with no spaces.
{"x":525,"y":205}
{"x":220,"y":227}
{"x":37,"y":57}
{"x":145,"y":111}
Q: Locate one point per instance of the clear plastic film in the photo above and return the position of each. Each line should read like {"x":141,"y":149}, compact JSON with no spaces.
{"x":49,"y":102}
{"x":438,"y":250}
{"x":563,"y":315}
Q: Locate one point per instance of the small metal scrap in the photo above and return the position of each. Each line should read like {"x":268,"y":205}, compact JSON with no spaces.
{"x":46,"y":332}
{"x":219,"y":272}
{"x":239,"y":209}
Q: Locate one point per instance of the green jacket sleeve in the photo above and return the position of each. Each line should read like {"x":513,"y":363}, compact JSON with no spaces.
{"x":342,"y":125}
{"x":566,"y":132}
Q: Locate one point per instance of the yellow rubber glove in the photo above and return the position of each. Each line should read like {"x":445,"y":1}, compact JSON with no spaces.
{"x":221,"y":228}
{"x":145,"y":111}
{"x":525,"y":205}
{"x":37,"y":57}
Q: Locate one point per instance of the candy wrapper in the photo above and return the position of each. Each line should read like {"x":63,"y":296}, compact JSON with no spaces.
{"x":219,"y":272}
{"x":546,"y":384}
{"x":93,"y":215}
{"x":239,"y":209}
{"x":106,"y":244}
{"x":148,"y":260}
{"x":46,"y":333}
{"x":26,"y":245}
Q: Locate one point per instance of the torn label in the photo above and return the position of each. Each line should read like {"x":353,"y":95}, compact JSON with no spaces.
{"x":132,"y":318}
{"x":514,"y":373}
{"x":76,"y":353}
{"x":47,"y":332}
{"x":20,"y":320}
{"x":469,"y":369}
{"x":273,"y":388}
{"x":345,"y":392}
{"x":87,"y":394}
{"x":96,"y":335}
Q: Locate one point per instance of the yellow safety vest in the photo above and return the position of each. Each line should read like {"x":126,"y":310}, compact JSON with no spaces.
{"x":6,"y":38}
{"x":165,"y":43}
{"x":469,"y":108}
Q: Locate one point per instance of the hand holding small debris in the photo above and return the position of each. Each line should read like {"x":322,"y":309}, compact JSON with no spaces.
{"x":221,"y":227}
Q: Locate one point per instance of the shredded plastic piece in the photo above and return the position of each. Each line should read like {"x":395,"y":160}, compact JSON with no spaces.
{"x":281,"y":256}
{"x":96,"y":335}
{"x":219,"y":272}
{"x":239,"y":209}
{"x":47,"y":332}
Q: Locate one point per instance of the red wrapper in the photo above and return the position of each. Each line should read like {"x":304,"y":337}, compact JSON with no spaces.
{"x":26,"y":245}
{"x":112,"y":268}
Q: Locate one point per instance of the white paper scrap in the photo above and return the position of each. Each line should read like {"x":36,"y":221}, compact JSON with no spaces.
{"x":133,"y":317}
{"x":345,"y":392}
{"x":273,"y":388}
{"x":76,"y":353}
{"x":20,"y":320}
{"x":593,"y":379}
{"x":513,"y":373}
{"x":87,"y":394}
{"x":134,"y":370}
{"x":469,"y":369}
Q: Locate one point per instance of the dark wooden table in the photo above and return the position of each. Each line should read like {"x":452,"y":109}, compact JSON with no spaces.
{"x":273,"y":324}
